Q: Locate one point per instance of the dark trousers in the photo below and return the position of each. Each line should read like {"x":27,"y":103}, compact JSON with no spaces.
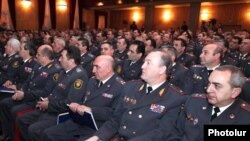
{"x":66,"y":131}
{"x":34,"y":123}
{"x":8,"y":110}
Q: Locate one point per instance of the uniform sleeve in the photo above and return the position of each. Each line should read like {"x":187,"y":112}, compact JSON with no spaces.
{"x":75,"y":94}
{"x":110,"y":128}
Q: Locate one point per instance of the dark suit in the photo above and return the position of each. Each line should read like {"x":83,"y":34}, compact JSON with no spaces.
{"x":131,"y":72}
{"x":70,"y":88}
{"x":197,"y":112}
{"x":40,"y":83}
{"x":143,"y":117}
{"x":101,"y":100}
{"x":9,"y":67}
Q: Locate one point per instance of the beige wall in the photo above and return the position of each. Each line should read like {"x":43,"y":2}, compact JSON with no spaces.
{"x":26,"y":18}
{"x":233,"y":14}
{"x":62,"y":17}
{"x":177,"y":16}
{"x":117,"y":17}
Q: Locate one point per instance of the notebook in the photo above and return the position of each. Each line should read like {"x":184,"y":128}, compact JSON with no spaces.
{"x":87,"y":119}
{"x":6,"y":90}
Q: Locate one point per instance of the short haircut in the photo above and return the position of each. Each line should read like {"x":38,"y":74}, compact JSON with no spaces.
{"x":73,"y":53}
{"x":183,"y":42}
{"x":171,"y":51}
{"x":165,"y":60}
{"x":84,"y":42}
{"x":30,"y":46}
{"x":47,"y":51}
{"x":153,"y":42}
{"x":237,"y":79}
{"x":13,"y":42}
{"x":238,"y":38}
{"x":140,"y":46}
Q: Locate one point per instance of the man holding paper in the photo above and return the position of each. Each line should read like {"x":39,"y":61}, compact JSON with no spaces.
{"x":100,"y":99}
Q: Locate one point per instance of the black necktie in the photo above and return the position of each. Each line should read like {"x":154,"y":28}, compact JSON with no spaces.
{"x":100,"y":84}
{"x":149,"y":89}
{"x":216,"y":111}
{"x":209,"y":71}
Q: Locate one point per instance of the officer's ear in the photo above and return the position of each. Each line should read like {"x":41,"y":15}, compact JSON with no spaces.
{"x":236,"y":92}
{"x":163,"y":70}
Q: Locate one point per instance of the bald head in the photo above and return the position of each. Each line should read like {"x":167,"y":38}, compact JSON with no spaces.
{"x":103,"y":67}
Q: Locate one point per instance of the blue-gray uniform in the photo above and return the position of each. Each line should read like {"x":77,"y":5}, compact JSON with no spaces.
{"x":40,"y":83}
{"x":102,"y":101}
{"x":131,"y":72}
{"x":234,"y":54}
{"x":186,"y":59}
{"x":9,"y":67}
{"x":87,"y":60}
{"x":141,"y":116}
{"x":177,"y":75}
{"x":121,"y":56}
{"x":197,"y":112}
{"x":245,"y":93}
{"x":24,"y":71}
{"x":244,"y":64}
{"x":226,"y":60}
{"x":196,"y":80}
{"x":70,"y":88}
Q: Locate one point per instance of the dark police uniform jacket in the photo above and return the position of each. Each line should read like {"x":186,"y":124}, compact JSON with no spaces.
{"x":131,"y":72}
{"x":24,"y":71}
{"x":144,"y":117}
{"x":87,"y":60}
{"x":186,"y":59}
{"x":9,"y":67}
{"x":197,"y":112}
{"x":102,"y":101}
{"x":41,"y":81}
{"x":70,"y":88}
{"x":177,"y":75}
{"x":196,"y":80}
{"x":245,"y":93}
{"x":244,"y":64}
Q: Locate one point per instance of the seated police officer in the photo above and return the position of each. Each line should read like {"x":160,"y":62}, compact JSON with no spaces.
{"x":220,"y":106}
{"x":70,"y":87}
{"x":101,"y":98}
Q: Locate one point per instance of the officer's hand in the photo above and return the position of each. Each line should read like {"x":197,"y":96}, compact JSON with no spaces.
{"x":81,"y":109}
{"x":19,"y":95}
{"x":93,"y":138}
{"x":7,"y":83}
{"x":43,"y":105}
{"x":12,"y":87}
{"x":73,"y":107}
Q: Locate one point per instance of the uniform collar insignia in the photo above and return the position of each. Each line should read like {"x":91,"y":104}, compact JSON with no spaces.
{"x":161,"y":91}
{"x":141,"y":88}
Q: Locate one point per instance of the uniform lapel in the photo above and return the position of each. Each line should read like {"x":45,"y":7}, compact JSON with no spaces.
{"x":104,"y":88}
{"x":154,"y":97}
